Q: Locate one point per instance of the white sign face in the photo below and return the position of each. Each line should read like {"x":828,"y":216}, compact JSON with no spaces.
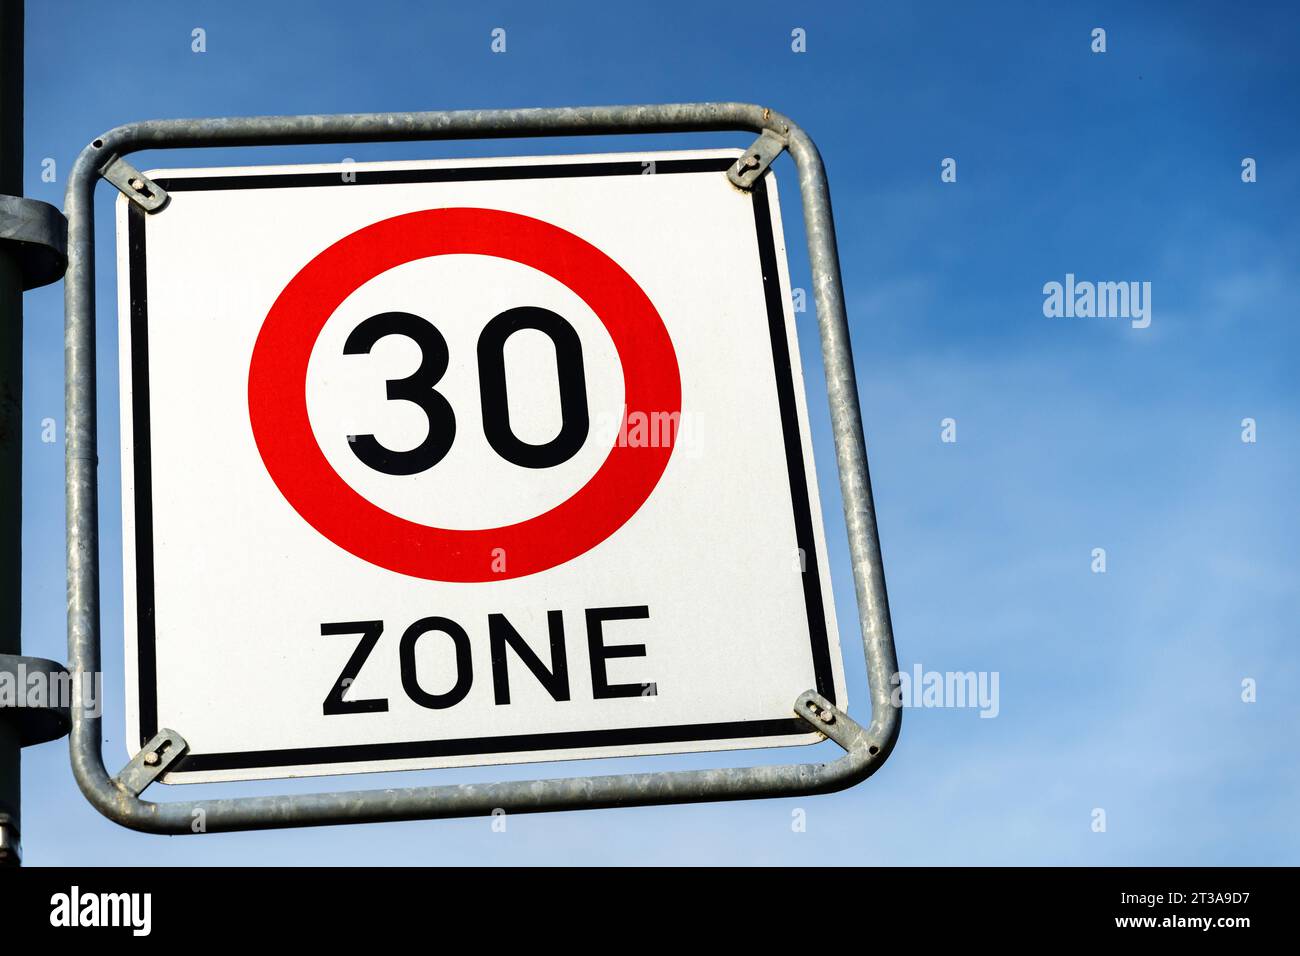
{"x":466,"y":462}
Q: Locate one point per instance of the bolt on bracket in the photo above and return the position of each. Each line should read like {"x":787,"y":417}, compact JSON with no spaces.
{"x":754,"y":162}
{"x":152,"y":761}
{"x":828,"y":719}
{"x":135,"y":185}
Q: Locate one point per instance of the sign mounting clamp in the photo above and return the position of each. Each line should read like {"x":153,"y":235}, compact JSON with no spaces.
{"x":135,"y":185}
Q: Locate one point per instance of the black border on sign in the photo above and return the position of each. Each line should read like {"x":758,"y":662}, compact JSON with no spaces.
{"x":146,"y":653}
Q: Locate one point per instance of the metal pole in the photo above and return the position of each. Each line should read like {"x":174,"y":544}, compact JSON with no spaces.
{"x":11,"y":427}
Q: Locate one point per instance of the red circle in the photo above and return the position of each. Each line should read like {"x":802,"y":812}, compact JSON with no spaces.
{"x":277,"y":398}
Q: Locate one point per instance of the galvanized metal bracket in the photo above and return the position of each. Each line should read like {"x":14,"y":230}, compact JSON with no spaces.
{"x":826,"y":718}
{"x":36,"y":695}
{"x":754,"y":162}
{"x":150,"y":763}
{"x":135,"y":185}
{"x":866,"y":747}
{"x":36,"y":234}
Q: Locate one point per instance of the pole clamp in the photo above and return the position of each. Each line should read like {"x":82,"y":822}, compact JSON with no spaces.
{"x":754,"y":161}
{"x":134,"y":185}
{"x":36,"y":696}
{"x":36,"y":235}
{"x":11,"y":843}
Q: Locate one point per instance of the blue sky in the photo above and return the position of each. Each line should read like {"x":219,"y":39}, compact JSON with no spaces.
{"x":1119,"y":691}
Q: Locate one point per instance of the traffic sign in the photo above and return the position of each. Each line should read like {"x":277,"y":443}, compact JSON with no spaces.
{"x":463,"y":462}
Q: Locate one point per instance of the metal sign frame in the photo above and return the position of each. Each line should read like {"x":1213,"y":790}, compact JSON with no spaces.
{"x":118,"y":797}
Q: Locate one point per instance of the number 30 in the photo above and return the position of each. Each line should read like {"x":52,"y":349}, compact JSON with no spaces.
{"x":418,"y":388}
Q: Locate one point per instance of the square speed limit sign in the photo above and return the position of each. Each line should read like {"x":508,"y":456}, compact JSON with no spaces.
{"x":466,"y":462}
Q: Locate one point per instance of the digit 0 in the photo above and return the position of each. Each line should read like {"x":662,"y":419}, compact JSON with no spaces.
{"x":574,"y":420}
